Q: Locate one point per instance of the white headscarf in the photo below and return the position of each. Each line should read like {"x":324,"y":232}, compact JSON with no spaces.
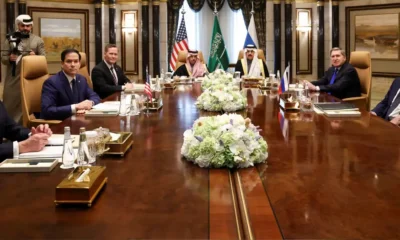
{"x":254,"y":70}
{"x":24,"y":19}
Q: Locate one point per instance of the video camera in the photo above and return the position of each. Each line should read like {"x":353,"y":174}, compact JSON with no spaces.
{"x":14,"y":39}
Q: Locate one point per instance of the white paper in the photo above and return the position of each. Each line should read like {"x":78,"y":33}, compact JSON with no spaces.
{"x":104,"y":107}
{"x":58,"y":139}
{"x":47,"y":152}
{"x":114,"y":136}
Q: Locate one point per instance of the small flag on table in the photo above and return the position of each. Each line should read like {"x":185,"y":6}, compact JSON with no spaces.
{"x":147,"y":88}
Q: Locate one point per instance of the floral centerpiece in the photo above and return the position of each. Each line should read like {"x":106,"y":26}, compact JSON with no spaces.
{"x":216,"y":78}
{"x":221,"y":97}
{"x":227,"y":140}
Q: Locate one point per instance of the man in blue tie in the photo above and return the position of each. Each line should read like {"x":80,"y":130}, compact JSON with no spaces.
{"x":389,"y":107}
{"x":67,"y":92}
{"x":341,"y":80}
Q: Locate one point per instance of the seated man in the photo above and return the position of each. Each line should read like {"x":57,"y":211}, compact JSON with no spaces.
{"x":341,"y":80}
{"x":67,"y":92}
{"x":22,"y":140}
{"x":389,"y":107}
{"x":107,"y":76}
{"x":193,"y":67}
{"x":251,"y":66}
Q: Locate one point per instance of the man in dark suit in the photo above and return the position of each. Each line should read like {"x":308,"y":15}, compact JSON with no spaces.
{"x":341,"y":80}
{"x":67,"y":92}
{"x":107,"y":76}
{"x":389,"y":107}
{"x":21,"y":139}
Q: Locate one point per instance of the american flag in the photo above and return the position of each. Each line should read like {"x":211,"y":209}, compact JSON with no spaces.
{"x":181,"y":44}
{"x":147,"y":88}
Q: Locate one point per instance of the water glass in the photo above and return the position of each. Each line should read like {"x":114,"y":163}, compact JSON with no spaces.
{"x":101,"y":139}
{"x":91,"y":137}
{"x":306,"y":104}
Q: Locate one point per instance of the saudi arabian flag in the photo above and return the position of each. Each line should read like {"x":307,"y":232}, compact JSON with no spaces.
{"x":218,"y":54}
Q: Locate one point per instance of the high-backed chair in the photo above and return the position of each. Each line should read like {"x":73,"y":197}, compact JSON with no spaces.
{"x":260,"y":54}
{"x":182,"y":55}
{"x":84,"y":71}
{"x":33,"y":74}
{"x":361,"y":61}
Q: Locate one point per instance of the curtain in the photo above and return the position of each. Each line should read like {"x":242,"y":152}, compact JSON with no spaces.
{"x":217,"y":3}
{"x":196,"y":5}
{"x":260,"y":20}
{"x":235,"y":4}
{"x":173,"y":17}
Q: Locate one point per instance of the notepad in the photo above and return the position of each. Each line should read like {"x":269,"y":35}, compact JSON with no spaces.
{"x":58,"y":140}
{"x":342,"y":106}
{"x":47,"y":152}
{"x":345,"y":113}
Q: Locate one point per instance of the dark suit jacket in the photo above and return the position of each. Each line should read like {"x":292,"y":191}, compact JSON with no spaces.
{"x":346,"y":85}
{"x":103,"y":81}
{"x":57,"y":96}
{"x":12,"y":131}
{"x":239,"y":68}
{"x":382,"y":108}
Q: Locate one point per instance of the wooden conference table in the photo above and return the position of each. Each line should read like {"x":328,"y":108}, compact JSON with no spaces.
{"x":324,"y":179}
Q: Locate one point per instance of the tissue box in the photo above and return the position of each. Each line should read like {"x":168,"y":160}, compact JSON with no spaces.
{"x":121,"y":145}
{"x":71,"y":192}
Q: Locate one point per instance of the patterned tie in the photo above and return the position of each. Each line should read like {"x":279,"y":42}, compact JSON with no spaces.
{"x":333,"y":77}
{"x":75,"y":93}
{"x":115,"y":78}
{"x":394,"y":105}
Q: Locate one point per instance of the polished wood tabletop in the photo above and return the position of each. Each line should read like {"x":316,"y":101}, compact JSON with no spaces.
{"x":324,"y":178}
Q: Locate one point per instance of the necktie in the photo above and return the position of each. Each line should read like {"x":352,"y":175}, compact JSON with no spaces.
{"x":75,"y":93}
{"x":115,"y":78}
{"x":394,"y":105}
{"x":333,"y":77}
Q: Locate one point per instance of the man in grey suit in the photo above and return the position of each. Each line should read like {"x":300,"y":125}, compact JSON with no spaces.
{"x":22,"y":43}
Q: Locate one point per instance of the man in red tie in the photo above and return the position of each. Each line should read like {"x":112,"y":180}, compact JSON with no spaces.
{"x":107,"y":76}
{"x":341,"y":80}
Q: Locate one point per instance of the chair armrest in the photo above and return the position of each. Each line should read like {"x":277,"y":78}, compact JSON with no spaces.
{"x":360,"y":102}
{"x":354,"y":99}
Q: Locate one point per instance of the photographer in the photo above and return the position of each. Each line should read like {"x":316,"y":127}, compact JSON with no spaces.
{"x":17,"y":45}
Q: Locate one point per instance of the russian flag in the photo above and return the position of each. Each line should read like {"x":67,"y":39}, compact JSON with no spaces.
{"x":284,"y":86}
{"x":251,"y":37}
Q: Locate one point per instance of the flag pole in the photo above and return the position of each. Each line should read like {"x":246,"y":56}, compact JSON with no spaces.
{"x":252,"y":8}
{"x":215,"y":8}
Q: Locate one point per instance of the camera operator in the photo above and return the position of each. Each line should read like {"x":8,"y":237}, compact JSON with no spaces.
{"x":18,"y":44}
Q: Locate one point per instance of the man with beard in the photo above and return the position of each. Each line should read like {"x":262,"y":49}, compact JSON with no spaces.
{"x":30,"y":44}
{"x":193,"y":67}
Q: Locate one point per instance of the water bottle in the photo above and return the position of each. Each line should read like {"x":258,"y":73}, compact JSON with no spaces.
{"x":83,"y":151}
{"x":68,"y":155}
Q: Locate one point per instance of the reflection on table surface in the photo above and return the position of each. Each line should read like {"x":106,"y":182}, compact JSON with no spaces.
{"x":325,"y":178}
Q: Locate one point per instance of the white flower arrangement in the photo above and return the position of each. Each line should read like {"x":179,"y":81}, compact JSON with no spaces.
{"x":226,"y":140}
{"x":221,"y":97}
{"x":216,"y":78}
